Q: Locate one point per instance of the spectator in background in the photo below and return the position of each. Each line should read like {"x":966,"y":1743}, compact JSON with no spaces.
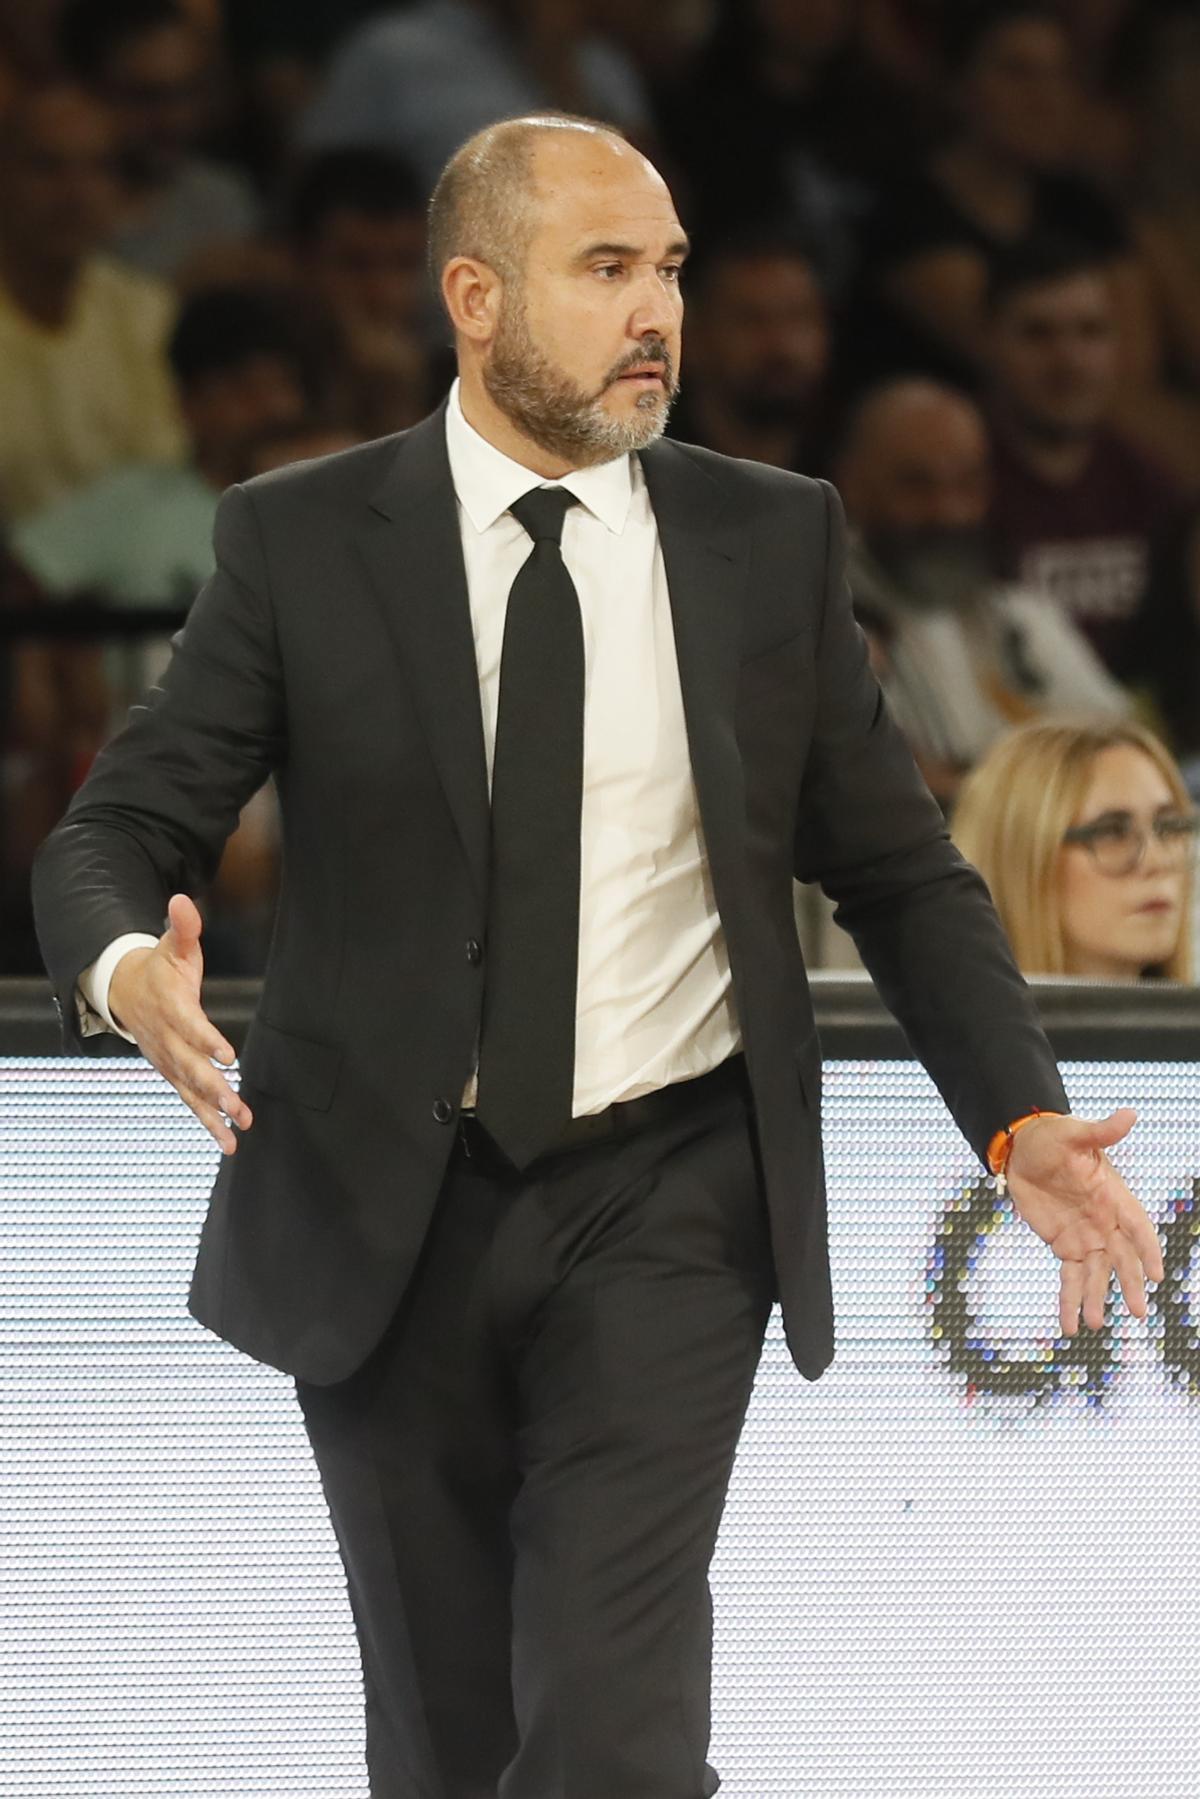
{"x":1166,"y":222}
{"x":1075,"y":508}
{"x":357,"y":229}
{"x":302,"y":31}
{"x":151,"y":64}
{"x":301,"y":441}
{"x":758,"y":353}
{"x":27,"y":47}
{"x":279,"y":50}
{"x":904,"y":37}
{"x":142,"y":534}
{"x":246,"y":375}
{"x":961,"y":655}
{"x":84,"y":385}
{"x":1086,"y":836}
{"x":1005,"y":172}
{"x":781,"y":117}
{"x":37,"y":747}
{"x":421,"y":79}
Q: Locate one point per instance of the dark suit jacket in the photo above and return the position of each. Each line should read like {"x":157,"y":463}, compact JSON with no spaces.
{"x":333,"y":646}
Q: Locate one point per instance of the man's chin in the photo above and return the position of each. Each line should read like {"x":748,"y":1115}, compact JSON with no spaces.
{"x":626,"y":408}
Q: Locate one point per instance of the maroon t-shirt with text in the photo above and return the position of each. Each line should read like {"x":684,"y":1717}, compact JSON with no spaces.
{"x":1086,"y":543}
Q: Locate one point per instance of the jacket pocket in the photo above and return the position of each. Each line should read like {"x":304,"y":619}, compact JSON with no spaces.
{"x":299,"y":1069}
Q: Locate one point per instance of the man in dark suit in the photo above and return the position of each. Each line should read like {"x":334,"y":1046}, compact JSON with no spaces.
{"x":527,"y":1136}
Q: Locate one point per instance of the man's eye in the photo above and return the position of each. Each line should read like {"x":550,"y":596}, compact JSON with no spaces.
{"x":672,"y":271}
{"x":609,"y":268}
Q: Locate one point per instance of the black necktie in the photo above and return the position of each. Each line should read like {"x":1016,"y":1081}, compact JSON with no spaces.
{"x":527,"y":1039}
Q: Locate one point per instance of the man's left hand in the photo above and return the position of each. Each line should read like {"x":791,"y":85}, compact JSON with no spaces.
{"x":1066,"y":1189}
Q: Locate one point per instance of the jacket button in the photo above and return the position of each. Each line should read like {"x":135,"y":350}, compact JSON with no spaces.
{"x":443,"y":1111}
{"x":474,"y":951}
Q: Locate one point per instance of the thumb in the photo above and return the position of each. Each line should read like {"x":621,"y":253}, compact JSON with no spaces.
{"x":182,"y":937}
{"x":1102,"y":1133}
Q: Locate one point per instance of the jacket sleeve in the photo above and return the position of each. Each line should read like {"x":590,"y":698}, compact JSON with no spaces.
{"x":161,"y":799}
{"x":873,"y":836}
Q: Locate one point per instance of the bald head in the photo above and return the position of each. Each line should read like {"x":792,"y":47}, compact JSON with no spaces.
{"x":915,"y":458}
{"x":558,"y":255}
{"x":485,"y":203}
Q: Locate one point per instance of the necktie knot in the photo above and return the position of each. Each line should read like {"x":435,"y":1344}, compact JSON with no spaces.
{"x":542,"y":511}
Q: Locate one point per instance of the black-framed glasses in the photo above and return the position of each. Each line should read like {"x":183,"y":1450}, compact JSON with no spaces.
{"x":1117,"y":842}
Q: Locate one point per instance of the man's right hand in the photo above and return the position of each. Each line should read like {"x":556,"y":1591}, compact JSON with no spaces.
{"x":155,"y":996}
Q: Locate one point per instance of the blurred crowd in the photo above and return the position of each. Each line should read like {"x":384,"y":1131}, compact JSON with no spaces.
{"x":947,"y":255}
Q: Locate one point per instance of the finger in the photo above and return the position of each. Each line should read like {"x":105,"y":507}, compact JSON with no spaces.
{"x":1102,"y":1133}
{"x":1139,"y":1228}
{"x":1070,"y":1295}
{"x":200,"y":1098}
{"x":182,"y":1017}
{"x":215,"y":1125}
{"x":1129,"y":1273}
{"x":197,"y":1030}
{"x":195,"y":1079}
{"x":1096,"y":1281}
{"x":216,"y":1093}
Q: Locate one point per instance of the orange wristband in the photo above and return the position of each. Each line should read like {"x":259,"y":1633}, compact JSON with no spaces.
{"x":1000,"y":1147}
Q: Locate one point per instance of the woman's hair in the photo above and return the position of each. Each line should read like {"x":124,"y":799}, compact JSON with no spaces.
{"x":1012,"y":813}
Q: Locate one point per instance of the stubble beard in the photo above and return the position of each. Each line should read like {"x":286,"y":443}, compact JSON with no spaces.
{"x":558,"y":415}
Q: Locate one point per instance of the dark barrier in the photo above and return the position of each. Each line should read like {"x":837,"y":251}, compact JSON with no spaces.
{"x":1085,"y":1020}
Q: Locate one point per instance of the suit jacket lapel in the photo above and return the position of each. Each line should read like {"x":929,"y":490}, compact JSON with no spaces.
{"x":705,"y":554}
{"x":413,"y":551}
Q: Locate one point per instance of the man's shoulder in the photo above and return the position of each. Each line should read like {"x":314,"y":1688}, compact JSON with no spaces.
{"x":341,"y":478}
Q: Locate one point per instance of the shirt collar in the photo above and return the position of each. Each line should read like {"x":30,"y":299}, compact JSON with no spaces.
{"x":487,"y":481}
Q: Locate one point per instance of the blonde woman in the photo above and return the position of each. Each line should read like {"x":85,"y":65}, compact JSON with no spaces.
{"x":1086,"y":836}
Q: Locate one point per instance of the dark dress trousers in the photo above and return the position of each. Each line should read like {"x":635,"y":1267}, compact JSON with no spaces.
{"x":524,"y":1394}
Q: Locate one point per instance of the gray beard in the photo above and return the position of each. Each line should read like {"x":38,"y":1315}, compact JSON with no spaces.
{"x":559,"y":416}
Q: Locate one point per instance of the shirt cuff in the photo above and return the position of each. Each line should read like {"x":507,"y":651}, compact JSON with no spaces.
{"x":91,"y":992}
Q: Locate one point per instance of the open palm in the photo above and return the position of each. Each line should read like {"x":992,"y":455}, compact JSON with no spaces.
{"x":1066,"y":1189}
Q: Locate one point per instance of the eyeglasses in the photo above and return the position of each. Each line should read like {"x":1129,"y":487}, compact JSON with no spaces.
{"x":1117,"y":843}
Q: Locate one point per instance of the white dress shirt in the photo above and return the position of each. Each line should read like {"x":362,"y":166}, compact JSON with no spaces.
{"x":655,"y":1001}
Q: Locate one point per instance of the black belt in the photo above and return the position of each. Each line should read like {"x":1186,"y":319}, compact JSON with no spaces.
{"x":620,"y":1119}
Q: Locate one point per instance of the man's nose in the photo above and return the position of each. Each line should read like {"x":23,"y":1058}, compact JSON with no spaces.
{"x":654,"y":311}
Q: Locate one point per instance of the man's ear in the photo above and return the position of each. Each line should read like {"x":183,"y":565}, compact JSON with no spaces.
{"x":473,"y":294}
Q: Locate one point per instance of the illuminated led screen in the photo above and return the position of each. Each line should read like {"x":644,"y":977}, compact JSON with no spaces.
{"x":963,"y":1565}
